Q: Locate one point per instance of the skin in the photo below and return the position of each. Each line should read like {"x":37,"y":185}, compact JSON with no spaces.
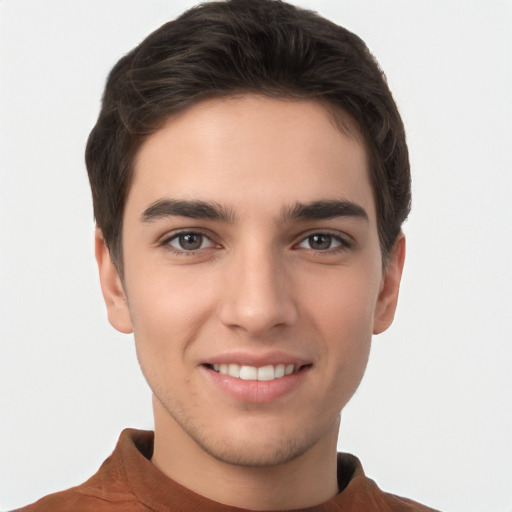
{"x":257,"y":285}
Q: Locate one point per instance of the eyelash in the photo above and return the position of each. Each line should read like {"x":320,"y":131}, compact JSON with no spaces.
{"x":343,"y":243}
{"x":166,"y":243}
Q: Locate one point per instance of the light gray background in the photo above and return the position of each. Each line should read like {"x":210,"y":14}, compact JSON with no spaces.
{"x":433,"y":417}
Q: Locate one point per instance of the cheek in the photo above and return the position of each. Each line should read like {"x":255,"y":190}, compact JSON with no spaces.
{"x":345,"y":302}
{"x":343,"y":314}
{"x":167,"y":309}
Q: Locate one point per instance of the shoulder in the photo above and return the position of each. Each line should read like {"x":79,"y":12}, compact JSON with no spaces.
{"x":91,"y":495}
{"x":401,"y":504}
{"x":107,"y":490}
{"x":78,"y":499}
{"x":358,"y":492}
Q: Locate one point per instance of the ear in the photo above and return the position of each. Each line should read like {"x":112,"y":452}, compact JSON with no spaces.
{"x":390,"y":286}
{"x":112,"y":287}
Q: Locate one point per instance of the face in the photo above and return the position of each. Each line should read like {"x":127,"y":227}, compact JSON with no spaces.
{"x":252,"y":275}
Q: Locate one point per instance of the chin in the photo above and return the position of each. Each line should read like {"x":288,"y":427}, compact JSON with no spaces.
{"x":263,"y":443}
{"x":254,"y":453}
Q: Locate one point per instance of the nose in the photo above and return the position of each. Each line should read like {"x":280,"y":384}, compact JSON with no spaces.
{"x":258,"y":294}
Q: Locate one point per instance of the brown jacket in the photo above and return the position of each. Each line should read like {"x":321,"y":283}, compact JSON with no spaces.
{"x":128,"y":482}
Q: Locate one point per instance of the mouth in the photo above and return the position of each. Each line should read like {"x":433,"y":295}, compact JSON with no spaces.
{"x":263,"y":373}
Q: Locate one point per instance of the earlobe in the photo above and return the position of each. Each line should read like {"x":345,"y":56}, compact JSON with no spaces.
{"x":388,"y":296}
{"x":112,"y":287}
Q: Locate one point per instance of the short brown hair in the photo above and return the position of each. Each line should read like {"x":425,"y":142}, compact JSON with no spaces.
{"x":223,"y":48}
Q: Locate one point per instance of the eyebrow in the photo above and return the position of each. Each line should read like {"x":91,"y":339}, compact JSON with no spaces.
{"x":195,"y":209}
{"x":322,"y":210}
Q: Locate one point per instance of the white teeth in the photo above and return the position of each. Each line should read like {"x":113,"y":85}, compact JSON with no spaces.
{"x":248,"y":373}
{"x":234,"y":370}
{"x":266,"y":373}
{"x":244,"y":372}
{"x":279,"y":371}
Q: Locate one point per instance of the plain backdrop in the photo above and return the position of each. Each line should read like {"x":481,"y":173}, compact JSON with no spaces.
{"x":433,"y":417}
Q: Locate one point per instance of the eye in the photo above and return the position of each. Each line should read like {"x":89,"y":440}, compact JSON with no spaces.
{"x":189,"y":242}
{"x":323,"y":242}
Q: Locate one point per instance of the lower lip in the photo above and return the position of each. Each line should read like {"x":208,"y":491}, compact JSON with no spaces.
{"x":257,"y":391}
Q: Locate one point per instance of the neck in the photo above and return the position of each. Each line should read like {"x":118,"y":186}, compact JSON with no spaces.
{"x":307,"y":480}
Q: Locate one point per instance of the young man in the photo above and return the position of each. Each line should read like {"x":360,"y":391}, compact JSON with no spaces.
{"x":250,"y":177}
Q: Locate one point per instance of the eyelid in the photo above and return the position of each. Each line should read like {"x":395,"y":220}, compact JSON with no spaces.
{"x":173,"y":235}
{"x":345,"y":240}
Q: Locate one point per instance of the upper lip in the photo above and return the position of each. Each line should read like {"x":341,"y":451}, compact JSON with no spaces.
{"x":258,"y":360}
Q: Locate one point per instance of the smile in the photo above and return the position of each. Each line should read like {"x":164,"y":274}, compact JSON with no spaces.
{"x":263,"y":373}
{"x":254,"y":379}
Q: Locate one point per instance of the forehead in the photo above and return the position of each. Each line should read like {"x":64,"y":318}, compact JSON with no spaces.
{"x":247,"y":151}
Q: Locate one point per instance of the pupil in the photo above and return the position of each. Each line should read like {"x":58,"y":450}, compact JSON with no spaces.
{"x":320,"y":242}
{"x":191,"y":241}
